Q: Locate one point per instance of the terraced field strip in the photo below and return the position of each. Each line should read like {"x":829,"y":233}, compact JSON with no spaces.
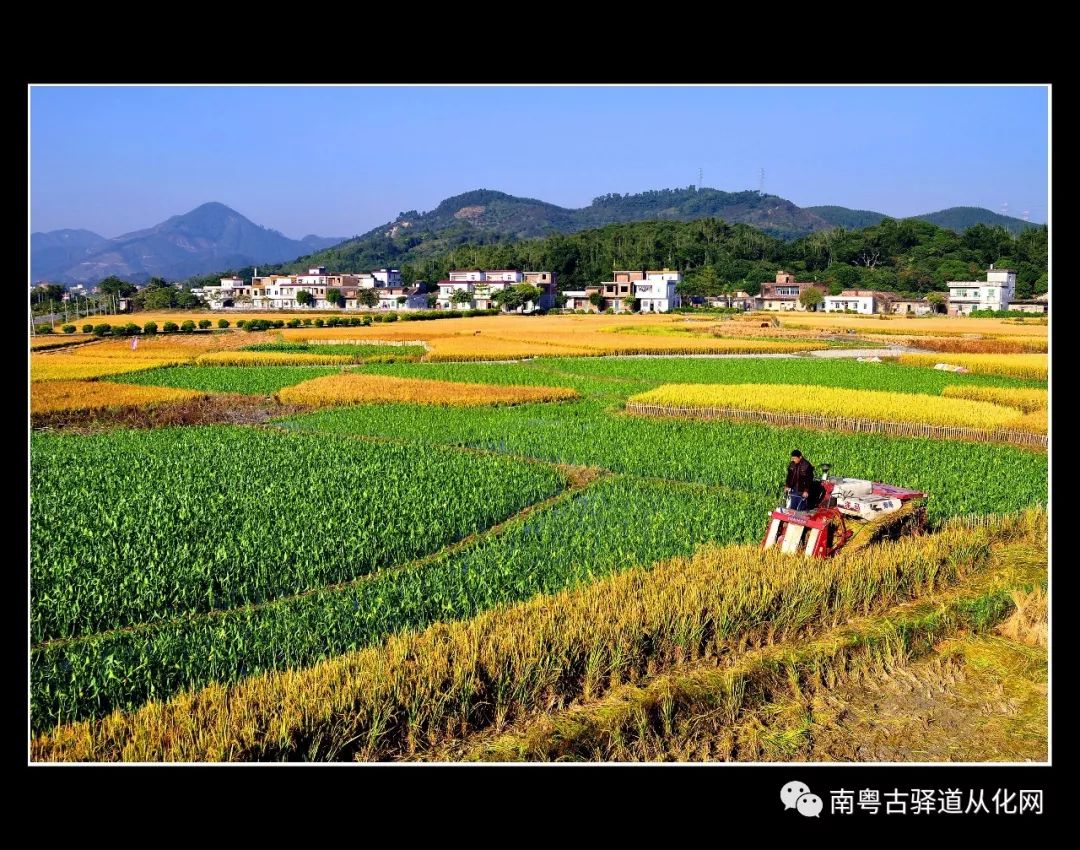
{"x":1025,"y":439}
{"x":669,"y":703}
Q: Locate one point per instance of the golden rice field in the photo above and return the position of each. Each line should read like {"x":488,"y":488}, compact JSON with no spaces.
{"x":270,"y":358}
{"x":1037,"y":422}
{"x":1026,"y":400}
{"x":46,"y":341}
{"x":516,"y":337}
{"x":998,"y":345}
{"x":50,"y":396}
{"x":57,"y":368}
{"x":419,"y":689}
{"x":833,"y":401}
{"x":359,"y":388}
{"x":929,"y":326}
{"x":116,"y":356}
{"x":1033,"y":366}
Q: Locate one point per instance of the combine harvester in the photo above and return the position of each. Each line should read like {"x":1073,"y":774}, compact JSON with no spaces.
{"x":849,"y":512}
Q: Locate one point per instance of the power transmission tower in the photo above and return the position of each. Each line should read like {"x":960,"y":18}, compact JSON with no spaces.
{"x":761,"y":182}
{"x":700,"y":178}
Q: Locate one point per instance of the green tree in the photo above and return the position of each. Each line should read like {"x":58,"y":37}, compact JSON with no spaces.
{"x":304,"y":298}
{"x":596,"y":299}
{"x":112,"y":285}
{"x":186,"y":298}
{"x":811,"y":297}
{"x":513,"y":298}
{"x":936,"y":300}
{"x":432,"y":300}
{"x":52,"y":292}
{"x":401,"y":299}
{"x":157,"y":297}
{"x":367,"y":297}
{"x":334,"y":296}
{"x":461,"y":296}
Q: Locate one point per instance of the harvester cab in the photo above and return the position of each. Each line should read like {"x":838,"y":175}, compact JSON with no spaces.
{"x":843,"y":512}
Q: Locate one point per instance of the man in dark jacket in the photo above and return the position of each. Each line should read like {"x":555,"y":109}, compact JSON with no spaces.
{"x":800,"y":482}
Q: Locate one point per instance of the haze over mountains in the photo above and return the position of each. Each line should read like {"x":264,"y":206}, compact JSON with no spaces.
{"x":210,"y":237}
{"x":213,"y":237}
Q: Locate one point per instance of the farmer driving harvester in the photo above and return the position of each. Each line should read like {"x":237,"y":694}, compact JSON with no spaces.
{"x":800,"y":486}
{"x":822,"y":516}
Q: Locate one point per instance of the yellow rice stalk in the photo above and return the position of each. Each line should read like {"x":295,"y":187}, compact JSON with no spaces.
{"x":832,"y":401}
{"x":1038,"y":422}
{"x":1029,"y":623}
{"x":379,"y":701}
{"x":899,"y":324}
{"x":1002,"y":345}
{"x":271,"y":358}
{"x":360,"y":388}
{"x":40,"y":343}
{"x":1034,"y":366}
{"x":1023,"y":399}
{"x":56,"y":368}
{"x":49,"y":396}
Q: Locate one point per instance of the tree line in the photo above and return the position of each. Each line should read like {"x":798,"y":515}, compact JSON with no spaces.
{"x":910,"y":257}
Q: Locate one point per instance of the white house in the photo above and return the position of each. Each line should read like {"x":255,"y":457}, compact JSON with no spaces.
{"x":447,"y":289}
{"x":482,"y":284}
{"x":413,"y":299}
{"x":994,"y":293}
{"x":859,"y":300}
{"x":656,"y":293}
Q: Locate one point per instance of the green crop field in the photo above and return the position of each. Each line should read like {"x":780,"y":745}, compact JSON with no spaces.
{"x":137,"y":526}
{"x":246,"y":380}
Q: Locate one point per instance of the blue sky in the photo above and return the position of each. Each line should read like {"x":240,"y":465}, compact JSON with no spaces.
{"x":337,"y":161}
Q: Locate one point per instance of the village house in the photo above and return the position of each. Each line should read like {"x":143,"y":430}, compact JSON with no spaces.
{"x":868,"y":301}
{"x":1038,"y":305}
{"x":655,"y":290}
{"x":912,"y":306}
{"x":738,"y":300}
{"x":480,"y":285}
{"x":994,"y":293}
{"x":784,"y":292}
{"x":580,"y":299}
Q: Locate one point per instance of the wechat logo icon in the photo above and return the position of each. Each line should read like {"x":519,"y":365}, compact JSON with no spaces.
{"x":797,"y":795}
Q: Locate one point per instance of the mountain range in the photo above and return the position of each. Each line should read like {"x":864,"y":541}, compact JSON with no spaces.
{"x":213,"y":238}
{"x":485,"y":217}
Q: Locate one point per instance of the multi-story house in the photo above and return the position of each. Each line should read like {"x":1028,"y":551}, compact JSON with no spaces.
{"x":994,"y":293}
{"x":784,"y":292}
{"x":481,"y":285}
{"x":656,"y":292}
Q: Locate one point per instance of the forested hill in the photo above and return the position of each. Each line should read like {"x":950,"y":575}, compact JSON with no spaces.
{"x":901,"y":256}
{"x":485,"y":217}
{"x":954,"y":218}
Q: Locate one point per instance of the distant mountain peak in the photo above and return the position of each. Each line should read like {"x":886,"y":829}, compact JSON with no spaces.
{"x":211,"y":237}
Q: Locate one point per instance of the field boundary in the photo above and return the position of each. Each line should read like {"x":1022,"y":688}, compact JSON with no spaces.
{"x":843,"y":423}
